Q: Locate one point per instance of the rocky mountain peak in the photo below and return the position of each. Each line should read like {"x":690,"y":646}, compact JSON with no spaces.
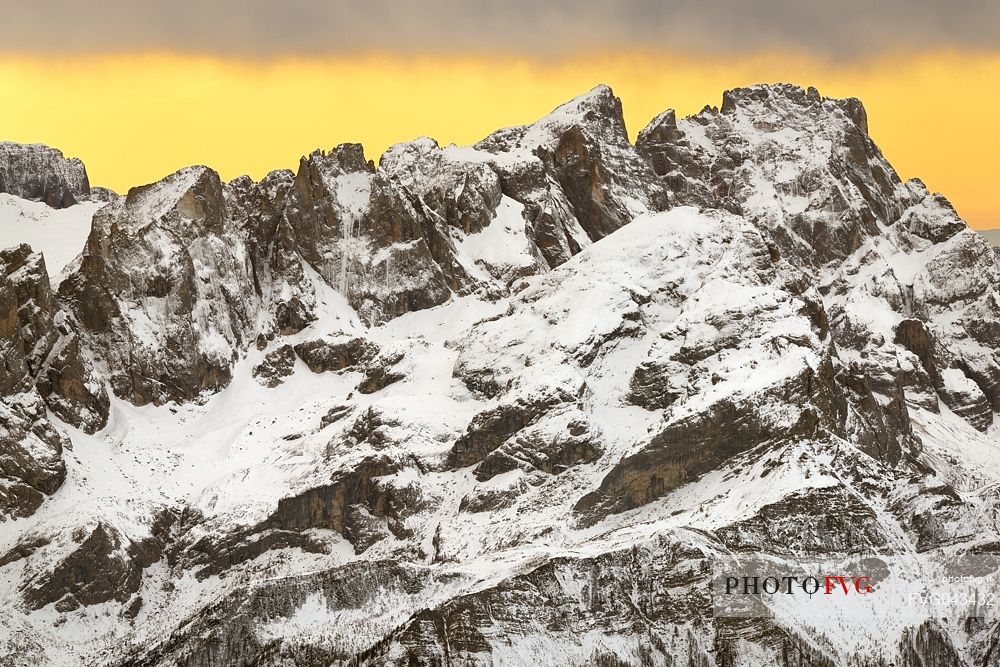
{"x":597,"y":114}
{"x":790,"y":100}
{"x":772,"y":95}
{"x":186,"y":196}
{"x":598,"y":108}
{"x":40,"y":173}
{"x":732,"y":159}
{"x":343,"y":159}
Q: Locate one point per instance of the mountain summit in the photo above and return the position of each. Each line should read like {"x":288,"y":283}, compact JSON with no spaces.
{"x":34,"y":171}
{"x":503,"y":404}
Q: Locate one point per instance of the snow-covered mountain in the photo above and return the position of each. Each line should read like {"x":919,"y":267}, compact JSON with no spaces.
{"x":505,"y":404}
{"x":40,"y":173}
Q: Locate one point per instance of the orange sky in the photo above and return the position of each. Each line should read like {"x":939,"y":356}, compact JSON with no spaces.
{"x":133,"y":119}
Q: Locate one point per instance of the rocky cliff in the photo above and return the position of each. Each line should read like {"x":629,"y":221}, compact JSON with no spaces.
{"x":507,"y":404}
{"x":37,"y":172}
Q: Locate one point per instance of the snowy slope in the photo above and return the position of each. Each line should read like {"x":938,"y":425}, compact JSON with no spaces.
{"x":59,"y":234}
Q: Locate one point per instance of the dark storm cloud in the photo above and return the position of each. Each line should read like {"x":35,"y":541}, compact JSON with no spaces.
{"x":840,"y":29}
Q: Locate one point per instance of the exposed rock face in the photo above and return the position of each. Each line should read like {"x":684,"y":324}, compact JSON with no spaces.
{"x":31,"y":464}
{"x":218,"y":638}
{"x":61,"y":371}
{"x":161,"y":291}
{"x":41,"y":367}
{"x":345,"y":503}
{"x":804,"y":169}
{"x":99,"y":194}
{"x":276,"y":366}
{"x":489,"y":430}
{"x":546,"y":449}
{"x":599,"y":592}
{"x":378,"y":378}
{"x":322,"y":356}
{"x":103,"y":567}
{"x":278,"y":276}
{"x":553,"y":379}
{"x":695,"y":445}
{"x":37,"y":172}
{"x":823,"y":521}
{"x":712,"y":158}
{"x":576,"y":173}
